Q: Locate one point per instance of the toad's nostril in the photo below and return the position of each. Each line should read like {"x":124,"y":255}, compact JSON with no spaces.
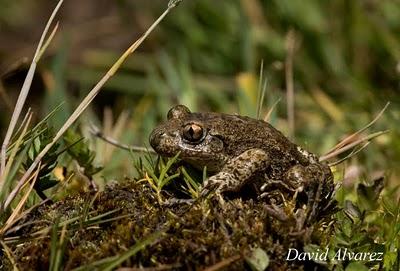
{"x":155,"y":138}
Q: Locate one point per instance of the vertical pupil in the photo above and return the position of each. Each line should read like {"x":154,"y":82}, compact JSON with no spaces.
{"x":191,"y":132}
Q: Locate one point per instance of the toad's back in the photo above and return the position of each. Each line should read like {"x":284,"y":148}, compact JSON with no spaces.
{"x":211,"y":139}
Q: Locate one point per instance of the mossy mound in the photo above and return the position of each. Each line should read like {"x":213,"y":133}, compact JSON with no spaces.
{"x":192,"y":236}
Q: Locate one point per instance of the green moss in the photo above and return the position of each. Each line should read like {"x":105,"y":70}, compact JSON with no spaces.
{"x":193,"y":236}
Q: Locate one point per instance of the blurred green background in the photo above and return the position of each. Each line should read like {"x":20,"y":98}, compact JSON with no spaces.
{"x":207,"y":55}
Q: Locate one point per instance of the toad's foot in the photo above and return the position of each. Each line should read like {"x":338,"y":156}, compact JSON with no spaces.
{"x":313,"y":181}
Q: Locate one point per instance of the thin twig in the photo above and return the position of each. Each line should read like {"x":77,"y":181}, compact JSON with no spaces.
{"x":85,"y":103}
{"x":96,"y":132}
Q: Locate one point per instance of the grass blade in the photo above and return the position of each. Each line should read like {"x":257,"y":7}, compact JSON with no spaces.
{"x":84,"y":104}
{"x":352,"y":136}
{"x":351,"y":145}
{"x":25,"y":90}
{"x":4,"y":175}
{"x":132,"y":251}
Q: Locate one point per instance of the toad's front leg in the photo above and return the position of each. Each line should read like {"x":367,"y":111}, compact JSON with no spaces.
{"x":237,"y":172}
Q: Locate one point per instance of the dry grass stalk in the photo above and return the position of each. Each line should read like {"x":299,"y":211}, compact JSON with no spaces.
{"x":353,"y":153}
{"x":351,"y":142}
{"x":14,"y":151}
{"x":85,"y":103}
{"x":290,"y":48}
{"x":260,"y":96}
{"x":27,"y":85}
{"x":351,"y":137}
{"x":12,"y":219}
{"x":269,"y":113}
{"x":351,"y":145}
{"x":22,"y":215}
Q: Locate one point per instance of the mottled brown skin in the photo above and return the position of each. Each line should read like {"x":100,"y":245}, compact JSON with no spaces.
{"x":239,"y":150}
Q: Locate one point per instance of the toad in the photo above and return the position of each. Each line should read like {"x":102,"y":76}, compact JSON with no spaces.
{"x":238,"y":151}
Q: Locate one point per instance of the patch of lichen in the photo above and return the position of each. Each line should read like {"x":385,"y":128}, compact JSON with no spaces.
{"x":194,"y":236}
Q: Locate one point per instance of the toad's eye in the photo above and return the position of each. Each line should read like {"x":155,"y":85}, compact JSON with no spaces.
{"x":193,"y":132}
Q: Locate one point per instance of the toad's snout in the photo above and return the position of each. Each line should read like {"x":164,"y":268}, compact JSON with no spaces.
{"x":162,"y":142}
{"x":156,"y":138}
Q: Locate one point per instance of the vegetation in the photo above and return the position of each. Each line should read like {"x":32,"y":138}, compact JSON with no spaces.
{"x":325,"y":69}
